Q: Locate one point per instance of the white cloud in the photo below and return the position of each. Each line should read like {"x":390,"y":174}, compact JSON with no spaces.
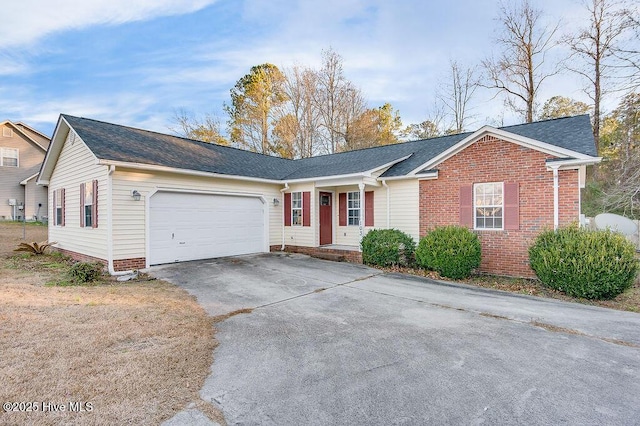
{"x":26,"y":21}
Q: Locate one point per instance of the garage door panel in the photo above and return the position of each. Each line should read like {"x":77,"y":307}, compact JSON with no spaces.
{"x":197,"y":226}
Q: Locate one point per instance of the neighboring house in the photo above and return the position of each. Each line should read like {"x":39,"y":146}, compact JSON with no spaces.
{"x":22,"y":150}
{"x":133,"y":198}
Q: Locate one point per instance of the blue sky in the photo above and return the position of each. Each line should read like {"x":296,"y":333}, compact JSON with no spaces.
{"x":135,"y":62}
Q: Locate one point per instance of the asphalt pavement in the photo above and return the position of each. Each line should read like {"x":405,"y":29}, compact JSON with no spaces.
{"x":334,"y":343}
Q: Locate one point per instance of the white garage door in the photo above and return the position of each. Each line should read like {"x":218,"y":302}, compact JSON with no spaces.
{"x":199,"y":226}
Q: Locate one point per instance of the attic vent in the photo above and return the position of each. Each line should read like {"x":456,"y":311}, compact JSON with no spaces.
{"x":7,"y":132}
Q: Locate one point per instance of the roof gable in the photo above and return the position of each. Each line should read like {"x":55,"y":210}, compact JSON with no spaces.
{"x":24,"y":131}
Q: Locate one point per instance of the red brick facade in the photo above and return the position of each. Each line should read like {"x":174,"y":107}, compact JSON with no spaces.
{"x":118,"y":265}
{"x":493,"y":160}
{"x":129,"y":264}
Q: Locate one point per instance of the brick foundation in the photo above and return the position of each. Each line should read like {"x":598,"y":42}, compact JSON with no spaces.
{"x":493,"y":160}
{"x":129,"y":264}
{"x":118,"y":265}
{"x":79,"y":257}
{"x":323,"y":253}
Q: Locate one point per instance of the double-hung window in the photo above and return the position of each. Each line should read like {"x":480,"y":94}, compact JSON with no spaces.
{"x":87,"y":204}
{"x":353,"y":208}
{"x":296,"y":208}
{"x":488,"y":202}
{"x":9,"y":157}
{"x":58,"y":207}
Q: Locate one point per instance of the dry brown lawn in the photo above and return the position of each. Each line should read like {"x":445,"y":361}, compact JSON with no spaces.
{"x":138,"y":352}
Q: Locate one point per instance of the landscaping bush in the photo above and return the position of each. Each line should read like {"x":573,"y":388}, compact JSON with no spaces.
{"x":452,"y":251}
{"x":584,"y":263}
{"x":85,"y":272}
{"x":387,"y":247}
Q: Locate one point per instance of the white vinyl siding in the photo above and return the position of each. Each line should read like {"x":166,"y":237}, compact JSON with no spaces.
{"x":77,"y":165}
{"x":405,"y":207}
{"x":304,"y":236}
{"x":129,"y":227}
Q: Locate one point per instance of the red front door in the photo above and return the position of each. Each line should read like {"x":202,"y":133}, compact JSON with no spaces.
{"x":326,"y":227}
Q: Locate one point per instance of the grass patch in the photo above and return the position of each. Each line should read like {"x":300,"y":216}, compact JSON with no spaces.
{"x":139,"y":351}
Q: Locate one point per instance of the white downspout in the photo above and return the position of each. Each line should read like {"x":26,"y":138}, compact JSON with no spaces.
{"x":286,"y":186}
{"x":361,"y":220}
{"x":110,"y":225}
{"x":556,"y":198}
{"x":384,"y":183}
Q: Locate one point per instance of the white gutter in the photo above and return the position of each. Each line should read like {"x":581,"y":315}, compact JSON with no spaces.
{"x":384,"y":183}
{"x":112,"y":271}
{"x":286,"y":186}
{"x":361,"y":220}
{"x":150,"y":167}
{"x":573,"y":163}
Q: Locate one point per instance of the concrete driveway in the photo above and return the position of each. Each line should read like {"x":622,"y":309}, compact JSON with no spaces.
{"x":336,"y":343}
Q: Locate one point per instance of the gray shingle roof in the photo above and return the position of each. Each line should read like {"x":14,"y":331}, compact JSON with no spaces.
{"x":127,"y":144}
{"x":119,"y":143}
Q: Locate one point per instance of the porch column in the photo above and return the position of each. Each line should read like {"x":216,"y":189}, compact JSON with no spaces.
{"x":361,"y":216}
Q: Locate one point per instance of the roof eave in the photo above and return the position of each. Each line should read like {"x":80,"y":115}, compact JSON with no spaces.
{"x":572,"y":163}
{"x":156,"y":168}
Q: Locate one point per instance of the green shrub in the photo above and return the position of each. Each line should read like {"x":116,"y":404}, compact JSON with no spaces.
{"x":387,"y":247}
{"x":452,"y":251}
{"x":85,"y":272}
{"x":584,"y":263}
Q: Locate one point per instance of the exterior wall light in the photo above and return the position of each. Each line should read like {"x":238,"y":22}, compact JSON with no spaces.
{"x":136,"y":195}
{"x":276,"y":202}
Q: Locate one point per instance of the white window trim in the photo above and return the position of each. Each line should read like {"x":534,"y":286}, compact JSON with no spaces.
{"x":475,"y":222}
{"x":58,"y":197}
{"x":358,"y":209}
{"x":301,"y":208}
{"x":2,"y":155}
{"x":88,"y":186}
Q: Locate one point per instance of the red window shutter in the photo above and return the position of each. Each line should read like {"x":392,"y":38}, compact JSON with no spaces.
{"x":511,"y":206}
{"x":55,"y":212}
{"x":306,"y":208}
{"x":368,"y":208}
{"x":94,"y":207}
{"x":342,"y":208}
{"x":62,"y":203}
{"x":466,"y":206}
{"x":287,"y":209}
{"x":82,"y":190}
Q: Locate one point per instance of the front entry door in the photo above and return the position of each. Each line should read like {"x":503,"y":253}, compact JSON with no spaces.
{"x":326,"y":228}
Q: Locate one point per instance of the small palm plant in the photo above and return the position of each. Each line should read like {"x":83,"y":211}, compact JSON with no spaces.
{"x":34,"y":248}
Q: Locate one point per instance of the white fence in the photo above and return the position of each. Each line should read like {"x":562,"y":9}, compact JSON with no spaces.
{"x":635,"y":239}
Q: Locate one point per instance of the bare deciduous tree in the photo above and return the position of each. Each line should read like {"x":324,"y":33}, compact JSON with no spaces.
{"x":521,"y":69}
{"x":598,"y":45}
{"x":457,"y":91}
{"x":206,"y":129}
{"x":301,"y":87}
{"x":338,"y":101}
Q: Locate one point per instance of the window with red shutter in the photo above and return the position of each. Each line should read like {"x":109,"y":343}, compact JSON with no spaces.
{"x":287,"y":209}
{"x":511,"y":206}
{"x":466,"y":206}
{"x":368,"y":208}
{"x":306,"y":208}
{"x":342,"y":209}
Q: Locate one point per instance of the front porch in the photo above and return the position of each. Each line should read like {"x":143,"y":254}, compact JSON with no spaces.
{"x":333,"y":252}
